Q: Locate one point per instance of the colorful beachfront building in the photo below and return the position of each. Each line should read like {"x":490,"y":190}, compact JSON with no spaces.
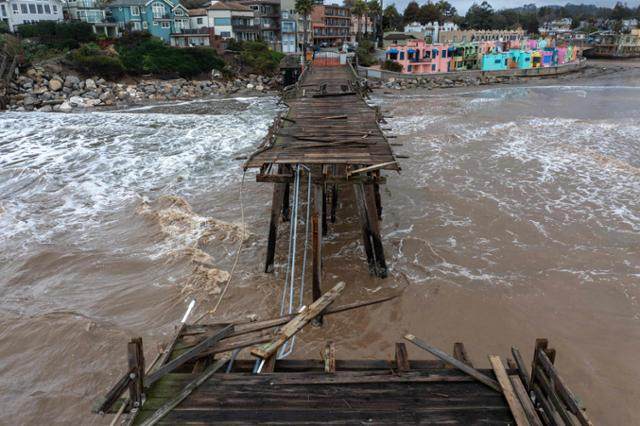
{"x":420,"y":57}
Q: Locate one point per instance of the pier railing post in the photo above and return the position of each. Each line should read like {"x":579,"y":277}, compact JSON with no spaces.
{"x":276,"y":203}
{"x":135,"y":357}
{"x":317,"y":246}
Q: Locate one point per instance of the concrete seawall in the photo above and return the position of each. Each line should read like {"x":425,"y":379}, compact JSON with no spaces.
{"x":383,"y":75}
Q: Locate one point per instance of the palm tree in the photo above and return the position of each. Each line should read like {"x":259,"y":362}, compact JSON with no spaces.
{"x":374,"y":9}
{"x":359,"y":9}
{"x":304,"y":8}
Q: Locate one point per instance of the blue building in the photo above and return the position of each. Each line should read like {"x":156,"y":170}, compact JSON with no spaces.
{"x":161,"y":18}
{"x":495,"y":61}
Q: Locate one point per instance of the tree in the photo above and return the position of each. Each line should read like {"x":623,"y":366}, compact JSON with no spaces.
{"x":411,"y":13}
{"x":479,"y":17}
{"x":359,"y":9}
{"x":374,"y":11}
{"x":621,"y":11}
{"x":530,"y":23}
{"x":391,"y":19}
{"x":429,"y":12}
{"x":304,"y":8}
{"x":447,"y":11}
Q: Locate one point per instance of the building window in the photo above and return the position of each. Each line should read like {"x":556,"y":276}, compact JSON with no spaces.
{"x":165,"y":25}
{"x":401,"y":56}
{"x":135,"y":10}
{"x":47,"y":9}
{"x":433,"y":67}
{"x":178,"y":12}
{"x":222,"y":22}
{"x":199,"y":21}
{"x":40,"y":9}
{"x":15,"y":8}
{"x":136,"y":26}
{"x":158,"y":10}
{"x":145,"y":25}
{"x":32,"y":9}
{"x":55,"y":8}
{"x":225,"y":34}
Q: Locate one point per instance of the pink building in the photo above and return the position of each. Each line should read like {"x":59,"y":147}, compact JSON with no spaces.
{"x":532,"y":44}
{"x":418,"y":57}
{"x":562,"y":55}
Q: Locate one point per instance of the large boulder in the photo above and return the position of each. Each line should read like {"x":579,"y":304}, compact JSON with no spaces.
{"x":77,"y":101}
{"x":55,"y":85}
{"x":71,"y":81}
{"x":90,"y":84}
{"x":65,"y":107}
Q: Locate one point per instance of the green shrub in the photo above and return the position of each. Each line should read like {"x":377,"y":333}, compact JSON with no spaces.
{"x":141,"y":53}
{"x":391,"y":66}
{"x":58,"y":35}
{"x":256,"y":57}
{"x":105,"y":66}
{"x":365,"y":58}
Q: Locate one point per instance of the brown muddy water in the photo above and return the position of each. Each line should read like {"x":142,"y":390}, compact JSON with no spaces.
{"x":516,"y":216}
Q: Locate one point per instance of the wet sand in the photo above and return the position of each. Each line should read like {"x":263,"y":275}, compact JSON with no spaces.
{"x":515,"y":217}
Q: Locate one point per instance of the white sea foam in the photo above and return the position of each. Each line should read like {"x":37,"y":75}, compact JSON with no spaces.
{"x":67,"y":172}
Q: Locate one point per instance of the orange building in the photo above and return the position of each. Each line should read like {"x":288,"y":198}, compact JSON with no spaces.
{"x":331,"y":24}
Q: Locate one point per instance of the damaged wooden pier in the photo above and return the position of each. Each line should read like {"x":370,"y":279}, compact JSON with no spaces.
{"x":200,"y":380}
{"x":333,"y":137}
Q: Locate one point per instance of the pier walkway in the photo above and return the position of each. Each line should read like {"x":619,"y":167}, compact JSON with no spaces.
{"x":333,"y":137}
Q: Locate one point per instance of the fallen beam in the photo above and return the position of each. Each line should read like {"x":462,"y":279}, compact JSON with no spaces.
{"x":454,"y":362}
{"x":298,"y":323}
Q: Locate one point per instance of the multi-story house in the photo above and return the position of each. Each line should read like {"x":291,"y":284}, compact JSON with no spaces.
{"x":161,"y":18}
{"x":93,"y":12}
{"x":232,"y":20}
{"x":197,"y":33}
{"x":267,"y":19}
{"x":18,"y":12}
{"x":288,"y":32}
{"x":331,"y":24}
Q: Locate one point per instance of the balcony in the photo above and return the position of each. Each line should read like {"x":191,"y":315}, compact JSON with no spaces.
{"x":193,"y":31}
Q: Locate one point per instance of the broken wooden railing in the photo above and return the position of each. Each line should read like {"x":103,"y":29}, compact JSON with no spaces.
{"x":540,"y":399}
{"x":195,"y":347}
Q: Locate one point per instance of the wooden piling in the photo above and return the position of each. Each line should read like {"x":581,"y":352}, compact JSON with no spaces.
{"x":135,"y":356}
{"x":276,"y":203}
{"x":364,"y":225}
{"x":374,"y":229}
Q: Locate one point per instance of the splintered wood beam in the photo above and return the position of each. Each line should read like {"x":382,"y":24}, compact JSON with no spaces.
{"x":298,"y":322}
{"x":402,"y":359}
{"x":525,"y":400}
{"x":521,"y":367}
{"x":460,"y":353}
{"x":457,"y":364}
{"x":329,"y":357}
{"x":329,"y":180}
{"x":191,"y":386}
{"x":507,"y":389}
{"x":189,"y":355}
{"x":372,"y":168}
{"x":276,"y":203}
{"x":135,"y":357}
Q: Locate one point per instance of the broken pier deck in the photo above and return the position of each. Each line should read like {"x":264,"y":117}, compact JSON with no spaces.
{"x":333,"y":136}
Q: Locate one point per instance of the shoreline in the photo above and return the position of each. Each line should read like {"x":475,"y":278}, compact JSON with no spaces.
{"x":43,"y":90}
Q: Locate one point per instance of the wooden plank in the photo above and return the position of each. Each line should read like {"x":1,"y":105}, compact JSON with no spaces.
{"x":543,"y":382}
{"x":135,"y":356}
{"x":507,"y":389}
{"x":540,"y":344}
{"x":521,"y":367}
{"x":372,"y":168}
{"x":158,"y":415}
{"x":525,"y":400}
{"x":550,"y":416}
{"x":169,"y":349}
{"x":402,"y":358}
{"x":451,"y":360}
{"x":277,"y":202}
{"x":460,"y":353}
{"x":329,"y":357}
{"x":189,"y":355}
{"x":298,"y":323}
{"x":114,"y":393}
{"x":562,"y":389}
